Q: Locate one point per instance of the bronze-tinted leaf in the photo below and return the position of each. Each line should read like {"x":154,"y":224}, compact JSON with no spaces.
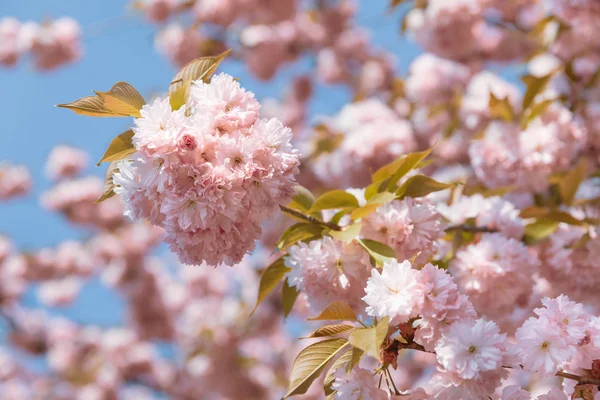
{"x":330,"y":330}
{"x":311,"y":362}
{"x":123,"y":99}
{"x":92,"y":106}
{"x":119,"y":148}
{"x":198,"y":69}
{"x":336,"y":311}
{"x":108,"y":182}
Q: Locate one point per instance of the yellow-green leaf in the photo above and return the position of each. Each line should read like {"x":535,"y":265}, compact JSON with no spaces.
{"x":109,"y":185}
{"x":410,"y":162}
{"x":534,"y":86}
{"x":92,"y":106}
{"x":123,"y":99}
{"x":348,"y":234}
{"x":336,"y":311}
{"x":119,"y":148}
{"x":289,"y":294}
{"x":372,"y":205}
{"x":500,"y":108}
{"x":198,"y":69}
{"x":298,"y":232}
{"x":380,"y":252}
{"x":311,"y":362}
{"x":330,"y":330}
{"x":539,"y":230}
{"x":552,"y":215}
{"x":401,"y":166}
{"x":421,"y":185}
{"x":569,"y":183}
{"x":180,"y":95}
{"x":334,"y":199}
{"x":269,"y":279}
{"x":370,"y":340}
{"x":302,"y":200}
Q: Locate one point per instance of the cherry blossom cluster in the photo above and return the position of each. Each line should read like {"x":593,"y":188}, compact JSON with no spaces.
{"x":50,"y":45}
{"x":210,"y":172}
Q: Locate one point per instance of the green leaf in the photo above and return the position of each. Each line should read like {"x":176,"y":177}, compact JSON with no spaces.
{"x":298,"y":232}
{"x":336,"y":311}
{"x":539,"y":230}
{"x":534,"y":86}
{"x":311,"y":362}
{"x":373,"y":204}
{"x":370,"y":340}
{"x":400,"y":167}
{"x":333,"y":200}
{"x":500,"y":108}
{"x":380,"y":252}
{"x":330,"y":330}
{"x":289,"y":294}
{"x":302,"y":200}
{"x":269,"y":279}
{"x":123,"y":99}
{"x":198,"y":69}
{"x":348,"y":234}
{"x":410,"y":162}
{"x":119,"y":148}
{"x":569,"y":183}
{"x":421,"y":185}
{"x":109,"y":185}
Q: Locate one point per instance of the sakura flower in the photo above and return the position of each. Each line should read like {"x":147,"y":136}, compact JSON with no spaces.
{"x":394,"y":293}
{"x":65,"y":162}
{"x":358,"y":384}
{"x":408,"y":226}
{"x":209,"y":173}
{"x":468,"y":348}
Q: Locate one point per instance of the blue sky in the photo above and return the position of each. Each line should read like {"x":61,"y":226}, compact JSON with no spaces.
{"x":118,"y":47}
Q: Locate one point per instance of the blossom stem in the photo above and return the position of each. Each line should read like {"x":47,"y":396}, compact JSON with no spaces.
{"x":396,"y":392}
{"x":469,"y":228}
{"x":310,"y":218}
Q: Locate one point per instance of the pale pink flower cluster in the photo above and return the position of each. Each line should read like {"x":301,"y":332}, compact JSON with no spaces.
{"x":570,"y":262}
{"x":459,"y":30}
{"x":358,"y":384}
{"x":181,"y":45}
{"x":495,"y":264}
{"x":15,"y":181}
{"x":76,"y":200}
{"x":328,"y":270}
{"x":373,"y":136}
{"x":563,"y":336}
{"x":210,"y":172}
{"x":158,"y":10}
{"x":508,"y":156}
{"x":429,"y":295}
{"x":434,"y":80}
{"x":65,"y":162}
{"x":409,"y":226}
{"x":50,"y":45}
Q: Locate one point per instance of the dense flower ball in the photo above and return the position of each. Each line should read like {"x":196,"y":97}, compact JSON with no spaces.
{"x":210,"y":172}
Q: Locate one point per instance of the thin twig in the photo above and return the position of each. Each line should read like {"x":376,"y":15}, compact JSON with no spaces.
{"x":310,"y":218}
{"x":470,"y":228}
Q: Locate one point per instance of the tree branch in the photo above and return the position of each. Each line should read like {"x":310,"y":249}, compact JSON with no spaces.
{"x":310,"y":218}
{"x":470,"y":228}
